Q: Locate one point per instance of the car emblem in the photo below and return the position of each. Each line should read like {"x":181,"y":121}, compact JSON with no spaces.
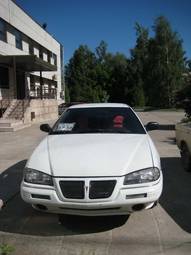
{"x":86,"y":189}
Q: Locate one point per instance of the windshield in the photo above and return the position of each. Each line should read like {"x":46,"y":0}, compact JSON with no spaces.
{"x":98,"y":120}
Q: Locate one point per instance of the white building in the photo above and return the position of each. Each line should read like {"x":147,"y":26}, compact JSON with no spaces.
{"x":31,"y":61}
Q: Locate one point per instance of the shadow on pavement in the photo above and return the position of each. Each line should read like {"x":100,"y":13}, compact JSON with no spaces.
{"x":19,"y":217}
{"x":170,"y":140}
{"x":176,"y":194}
{"x":167,"y":127}
{"x":84,"y":225}
{"x":10,"y":181}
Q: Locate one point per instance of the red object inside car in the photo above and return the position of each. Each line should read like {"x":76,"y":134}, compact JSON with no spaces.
{"x":118,"y":121}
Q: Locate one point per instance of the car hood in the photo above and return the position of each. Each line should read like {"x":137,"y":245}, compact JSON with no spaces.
{"x":92,"y":155}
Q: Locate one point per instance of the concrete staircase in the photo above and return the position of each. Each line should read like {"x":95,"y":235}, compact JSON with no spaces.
{"x":4,"y":104}
{"x":13,"y":117}
{"x":16,"y":109}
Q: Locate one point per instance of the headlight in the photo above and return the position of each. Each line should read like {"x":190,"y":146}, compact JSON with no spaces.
{"x":142,"y":176}
{"x":37,"y":177}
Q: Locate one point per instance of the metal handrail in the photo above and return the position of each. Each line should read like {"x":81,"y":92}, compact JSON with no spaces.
{"x":4,"y":104}
{"x":45,"y":93}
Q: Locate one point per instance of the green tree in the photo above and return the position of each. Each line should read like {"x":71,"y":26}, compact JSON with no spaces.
{"x":183,"y":96}
{"x":67,"y":94}
{"x":166,"y":64}
{"x":101,"y":51}
{"x":81,"y":77}
{"x":78,"y":73}
{"x":151,"y":76}
{"x":138,"y":67}
{"x":102,"y":70}
{"x":117,"y":70}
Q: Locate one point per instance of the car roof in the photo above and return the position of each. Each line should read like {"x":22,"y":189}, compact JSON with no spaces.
{"x":97,"y":105}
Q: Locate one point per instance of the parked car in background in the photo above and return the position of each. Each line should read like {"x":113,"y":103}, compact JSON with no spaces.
{"x":62,"y":107}
{"x":98,"y":159}
{"x":183,"y":140}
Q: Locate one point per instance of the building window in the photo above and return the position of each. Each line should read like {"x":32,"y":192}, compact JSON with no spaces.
{"x":3,"y":32}
{"x":18,"y":40}
{"x":41,"y":53}
{"x":31,"y":49}
{"x":32,"y":82}
{"x":54,"y":59}
{"x":4,"y":78}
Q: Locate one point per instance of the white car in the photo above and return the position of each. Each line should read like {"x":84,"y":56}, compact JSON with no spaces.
{"x":183,"y":140}
{"x":96,"y":160}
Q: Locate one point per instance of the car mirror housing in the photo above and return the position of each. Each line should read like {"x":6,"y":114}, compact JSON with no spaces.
{"x":152,"y":126}
{"x":45,"y":128}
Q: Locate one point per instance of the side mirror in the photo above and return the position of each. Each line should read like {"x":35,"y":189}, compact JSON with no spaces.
{"x":152,"y":126}
{"x":45,"y":128}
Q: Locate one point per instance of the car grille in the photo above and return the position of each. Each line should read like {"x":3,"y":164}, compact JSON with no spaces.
{"x":97,"y":189}
{"x":101,"y":189}
{"x":72,"y":189}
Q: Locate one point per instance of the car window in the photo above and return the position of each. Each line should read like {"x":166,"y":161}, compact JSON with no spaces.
{"x":99,"y":120}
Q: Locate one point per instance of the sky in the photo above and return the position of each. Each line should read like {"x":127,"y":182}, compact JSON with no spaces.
{"x":76,"y":22}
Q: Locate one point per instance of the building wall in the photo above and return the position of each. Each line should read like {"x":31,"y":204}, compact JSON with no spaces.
{"x":17,"y":18}
{"x":41,"y":110}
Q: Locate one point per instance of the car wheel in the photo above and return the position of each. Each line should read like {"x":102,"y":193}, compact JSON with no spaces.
{"x":185,"y":158}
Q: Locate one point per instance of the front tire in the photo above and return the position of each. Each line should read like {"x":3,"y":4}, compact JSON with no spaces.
{"x":185,"y":158}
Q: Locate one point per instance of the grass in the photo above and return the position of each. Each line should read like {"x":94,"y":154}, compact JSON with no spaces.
{"x":6,"y":249}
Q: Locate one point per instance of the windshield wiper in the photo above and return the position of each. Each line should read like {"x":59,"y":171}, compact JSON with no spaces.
{"x":60,"y":132}
{"x":90,"y":131}
{"x":101,"y":131}
{"x":122,"y":132}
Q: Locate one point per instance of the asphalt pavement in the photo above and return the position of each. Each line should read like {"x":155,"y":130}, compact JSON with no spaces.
{"x":166,"y":229}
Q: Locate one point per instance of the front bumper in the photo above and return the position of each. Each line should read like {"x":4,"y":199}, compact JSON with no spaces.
{"x":124,"y":199}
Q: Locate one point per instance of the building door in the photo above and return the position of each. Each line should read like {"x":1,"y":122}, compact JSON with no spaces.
{"x":21,"y":90}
